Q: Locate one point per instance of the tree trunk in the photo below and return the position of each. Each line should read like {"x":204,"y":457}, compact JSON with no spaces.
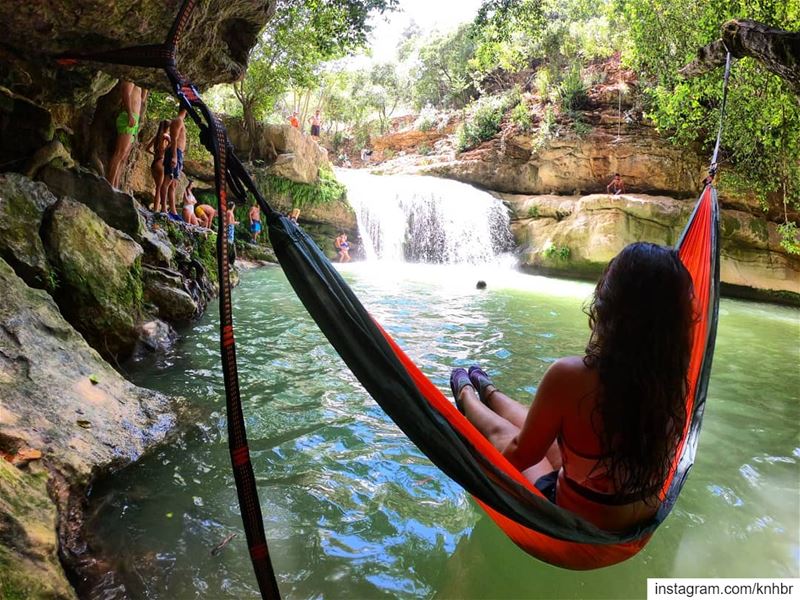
{"x":777,"y":50}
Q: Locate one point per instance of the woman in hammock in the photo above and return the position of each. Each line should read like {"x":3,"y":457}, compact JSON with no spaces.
{"x":603,"y":429}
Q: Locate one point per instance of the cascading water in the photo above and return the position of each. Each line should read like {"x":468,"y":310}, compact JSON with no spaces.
{"x":426,"y":219}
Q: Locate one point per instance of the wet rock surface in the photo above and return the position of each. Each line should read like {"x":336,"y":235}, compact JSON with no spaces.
{"x":63,"y":400}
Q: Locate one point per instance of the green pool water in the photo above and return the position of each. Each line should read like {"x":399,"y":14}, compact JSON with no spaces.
{"x":353,"y":510}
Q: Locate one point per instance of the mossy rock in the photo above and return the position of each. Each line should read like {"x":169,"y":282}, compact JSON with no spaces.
{"x":22,"y":205}
{"x":99,"y":273}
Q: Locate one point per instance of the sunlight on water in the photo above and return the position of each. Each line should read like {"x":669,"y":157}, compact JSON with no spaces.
{"x":353,"y":510}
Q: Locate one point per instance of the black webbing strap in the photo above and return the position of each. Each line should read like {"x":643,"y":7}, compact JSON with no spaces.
{"x":227,"y":170}
{"x":713,"y":168}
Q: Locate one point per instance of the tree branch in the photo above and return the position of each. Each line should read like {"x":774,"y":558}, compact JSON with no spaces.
{"x":776,"y":49}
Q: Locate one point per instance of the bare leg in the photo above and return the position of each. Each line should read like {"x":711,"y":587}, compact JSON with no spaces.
{"x":158,"y":178}
{"x":504,"y":406}
{"x":124,"y":141}
{"x":171,"y":189}
{"x":499,"y":431}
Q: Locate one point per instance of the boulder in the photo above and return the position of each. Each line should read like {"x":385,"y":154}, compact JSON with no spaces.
{"x":213,"y":48}
{"x":167,"y":290}
{"x":99,"y":276}
{"x":118,"y":209}
{"x":22,"y":205}
{"x":577,"y":236}
{"x":288,"y":152}
{"x":61,"y":399}
{"x":156,"y":336}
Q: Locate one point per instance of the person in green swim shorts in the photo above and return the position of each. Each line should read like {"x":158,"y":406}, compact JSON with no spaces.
{"x":133,"y":100}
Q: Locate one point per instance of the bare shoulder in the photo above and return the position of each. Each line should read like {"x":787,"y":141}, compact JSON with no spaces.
{"x":571,"y":375}
{"x":568,"y":367}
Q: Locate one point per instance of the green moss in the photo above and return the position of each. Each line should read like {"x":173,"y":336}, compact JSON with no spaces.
{"x":729,"y":225}
{"x":327,"y":190}
{"x":760,"y":229}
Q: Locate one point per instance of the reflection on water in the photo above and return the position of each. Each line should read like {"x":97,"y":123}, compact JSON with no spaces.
{"x":353,"y":510}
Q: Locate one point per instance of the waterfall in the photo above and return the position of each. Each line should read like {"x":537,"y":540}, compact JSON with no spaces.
{"x":422,"y":219}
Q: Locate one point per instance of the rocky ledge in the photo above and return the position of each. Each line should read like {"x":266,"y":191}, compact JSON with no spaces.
{"x":66,"y":418}
{"x":577,"y":236}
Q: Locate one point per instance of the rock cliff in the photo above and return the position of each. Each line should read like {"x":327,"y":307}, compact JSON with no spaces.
{"x":577,"y":236}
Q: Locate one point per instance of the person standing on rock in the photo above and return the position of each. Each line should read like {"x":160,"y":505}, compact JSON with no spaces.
{"x":230,"y":231}
{"x":616,"y":187}
{"x":173,"y":159}
{"x":128,"y":121}
{"x":255,"y":221}
{"x":316,"y":122}
{"x":189,"y":204}
{"x":294,"y":121}
{"x":158,"y":146}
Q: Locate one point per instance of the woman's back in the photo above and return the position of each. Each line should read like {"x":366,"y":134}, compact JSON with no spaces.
{"x":585,"y":486}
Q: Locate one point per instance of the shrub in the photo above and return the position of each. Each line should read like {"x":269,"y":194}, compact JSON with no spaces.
{"x":427,"y":119}
{"x":548,"y":129}
{"x":533,"y":212}
{"x":483,"y":124}
{"x":521,"y":117}
{"x":553,"y":251}
{"x":424,"y":149}
{"x":327,"y":190}
{"x":542,"y":84}
{"x":572,"y":91}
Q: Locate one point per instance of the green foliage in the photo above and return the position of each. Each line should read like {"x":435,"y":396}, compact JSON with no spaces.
{"x":521,"y":117}
{"x":303,"y":194}
{"x":424,"y":149}
{"x":442,"y":76}
{"x":761,"y":140}
{"x":579,"y":126}
{"x":483,"y":122}
{"x":555,"y":252}
{"x":301,"y":35}
{"x":533,"y":212}
{"x":548,"y":129}
{"x":427,"y":119}
{"x":790,"y":237}
{"x":572,"y":92}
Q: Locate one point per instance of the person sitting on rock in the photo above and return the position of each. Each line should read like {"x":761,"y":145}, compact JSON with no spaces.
{"x":294,"y":215}
{"x":205,"y":214}
{"x":189,"y":203}
{"x":255,"y":221}
{"x":616,"y":187}
{"x":128,"y":120}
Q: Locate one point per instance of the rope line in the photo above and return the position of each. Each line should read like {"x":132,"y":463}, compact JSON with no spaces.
{"x":713,"y":168}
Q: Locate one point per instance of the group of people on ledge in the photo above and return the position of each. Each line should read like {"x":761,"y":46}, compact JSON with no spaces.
{"x":315,"y":120}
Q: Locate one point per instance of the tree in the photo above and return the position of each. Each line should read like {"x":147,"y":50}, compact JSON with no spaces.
{"x":761,"y":138}
{"x":442,"y":76}
{"x":303,"y":34}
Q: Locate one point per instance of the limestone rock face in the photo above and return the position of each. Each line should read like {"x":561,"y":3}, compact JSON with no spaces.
{"x":61,"y":399}
{"x":99,"y":276}
{"x":290,"y":153}
{"x":569,"y":164}
{"x":213,"y":48}
{"x":579,"y":235}
{"x":166,"y":289}
{"x":117,"y":209}
{"x":22,"y":204}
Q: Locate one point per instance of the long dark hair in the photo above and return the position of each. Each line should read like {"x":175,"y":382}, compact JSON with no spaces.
{"x":641,"y":319}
